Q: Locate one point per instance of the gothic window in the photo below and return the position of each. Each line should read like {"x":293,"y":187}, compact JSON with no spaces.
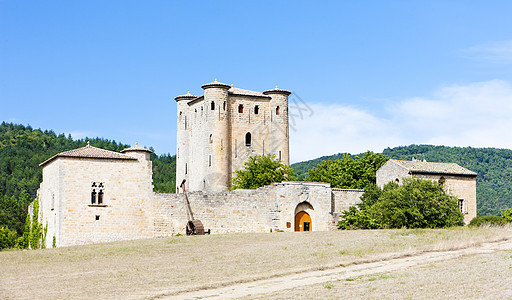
{"x":277,"y":110}
{"x":93,"y":196}
{"x":213,"y":105}
{"x":256,"y":109}
{"x":248,"y":139}
{"x":100,"y":197}
{"x":241,"y":108}
{"x":97,"y":193}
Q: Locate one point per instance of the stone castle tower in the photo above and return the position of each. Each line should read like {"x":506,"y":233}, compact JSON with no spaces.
{"x":219,"y":130}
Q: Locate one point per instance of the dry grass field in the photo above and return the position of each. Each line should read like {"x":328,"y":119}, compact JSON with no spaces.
{"x":167,"y":266}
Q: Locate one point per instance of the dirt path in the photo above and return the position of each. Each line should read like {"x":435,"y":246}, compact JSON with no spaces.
{"x":269,"y":286}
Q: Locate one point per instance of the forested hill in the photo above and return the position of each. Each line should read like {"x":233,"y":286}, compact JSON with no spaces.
{"x":23,"y":148}
{"x":494,"y":168}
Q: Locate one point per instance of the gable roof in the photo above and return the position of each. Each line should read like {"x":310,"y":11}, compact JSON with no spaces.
{"x":423,"y":167}
{"x":89,"y":152}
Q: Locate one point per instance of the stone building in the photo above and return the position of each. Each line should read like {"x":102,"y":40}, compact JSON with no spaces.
{"x":457,"y":181}
{"x":218,"y":131}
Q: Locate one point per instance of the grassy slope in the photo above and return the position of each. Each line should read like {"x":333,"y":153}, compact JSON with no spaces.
{"x":147,"y":268}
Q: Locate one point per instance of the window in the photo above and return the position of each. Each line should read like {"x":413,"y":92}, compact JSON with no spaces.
{"x":185,"y":169}
{"x":213,"y":105}
{"x":248,"y":139}
{"x":241,"y":108}
{"x":279,"y":155}
{"x":100,"y":197}
{"x":211,"y":138}
{"x":462,"y":207}
{"x":93,"y":197}
{"x":256,"y":109}
{"x":97,"y":217}
{"x":397,"y":180}
{"x":277,"y":110}
{"x":97,"y":193}
{"x":224,"y":105}
{"x":209,"y":160}
{"x":442,"y":180}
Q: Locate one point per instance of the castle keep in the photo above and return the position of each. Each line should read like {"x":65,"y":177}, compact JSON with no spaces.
{"x":219,"y":130}
{"x":91,"y":195}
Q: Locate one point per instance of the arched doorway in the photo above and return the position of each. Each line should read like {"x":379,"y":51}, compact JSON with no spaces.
{"x":302,"y":221}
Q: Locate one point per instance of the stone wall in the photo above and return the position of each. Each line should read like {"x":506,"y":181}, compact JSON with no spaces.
{"x":270,"y":207}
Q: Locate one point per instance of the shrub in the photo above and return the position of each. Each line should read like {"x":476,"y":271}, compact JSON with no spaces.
{"x":487,"y":220}
{"x":417,"y":203}
{"x":7,"y":238}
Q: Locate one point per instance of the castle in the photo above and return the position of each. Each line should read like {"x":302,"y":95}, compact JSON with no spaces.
{"x":218,"y":131}
{"x":91,"y":195}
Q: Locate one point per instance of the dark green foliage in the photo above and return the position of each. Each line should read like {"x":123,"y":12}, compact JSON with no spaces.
{"x":23,"y":148}
{"x":7,"y":238}
{"x":487,"y":220}
{"x":164,"y":173}
{"x":348,"y":172}
{"x":261,"y":170}
{"x":415,"y":204}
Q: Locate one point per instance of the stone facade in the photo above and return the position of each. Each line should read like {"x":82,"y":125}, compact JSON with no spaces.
{"x":457,"y":181}
{"x":218,"y":131}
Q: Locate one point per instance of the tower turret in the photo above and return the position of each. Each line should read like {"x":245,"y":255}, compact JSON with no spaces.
{"x":217,"y":134}
{"x":279,"y":124}
{"x":183,"y":138}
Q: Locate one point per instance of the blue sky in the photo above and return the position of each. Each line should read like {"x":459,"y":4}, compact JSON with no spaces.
{"x":371,"y":74}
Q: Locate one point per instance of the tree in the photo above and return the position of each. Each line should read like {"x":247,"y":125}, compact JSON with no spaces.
{"x":417,"y":203}
{"x":261,"y":170}
{"x":348,"y":172}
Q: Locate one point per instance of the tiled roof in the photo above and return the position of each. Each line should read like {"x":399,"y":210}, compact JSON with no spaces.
{"x":237,"y":91}
{"x":136,"y":148}
{"x":215,"y":84}
{"x":90,"y":152}
{"x":277,"y":91}
{"x":188,"y":96}
{"x":433,"y":167}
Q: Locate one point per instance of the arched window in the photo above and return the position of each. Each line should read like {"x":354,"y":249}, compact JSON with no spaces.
{"x":248,"y":139}
{"x":256,"y":109}
{"x":277,"y":110}
{"x":100,"y":197}
{"x":93,"y":197}
{"x":224,"y":105}
{"x":211,"y":138}
{"x":209,"y":160}
{"x":213,"y":105}
{"x":397,"y":180}
{"x":279,"y":155}
{"x":241,"y":108}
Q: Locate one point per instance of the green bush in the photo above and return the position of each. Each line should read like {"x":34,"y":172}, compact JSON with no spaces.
{"x":7,"y":238}
{"x":487,"y":220}
{"x":417,"y":203}
{"x":507,"y":215}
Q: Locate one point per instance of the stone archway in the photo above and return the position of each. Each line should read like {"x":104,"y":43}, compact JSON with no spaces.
{"x":303,"y":213}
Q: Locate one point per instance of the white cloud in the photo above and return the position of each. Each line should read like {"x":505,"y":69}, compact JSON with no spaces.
{"x":499,"y":52}
{"x":478,"y":115}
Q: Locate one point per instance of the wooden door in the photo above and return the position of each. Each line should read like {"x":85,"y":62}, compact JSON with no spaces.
{"x":301,"y":218}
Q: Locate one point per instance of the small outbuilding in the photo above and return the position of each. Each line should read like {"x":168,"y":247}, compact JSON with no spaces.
{"x":457,"y":181}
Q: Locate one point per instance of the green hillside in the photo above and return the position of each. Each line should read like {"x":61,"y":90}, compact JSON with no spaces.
{"x":494,"y":168}
{"x":23,"y":148}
